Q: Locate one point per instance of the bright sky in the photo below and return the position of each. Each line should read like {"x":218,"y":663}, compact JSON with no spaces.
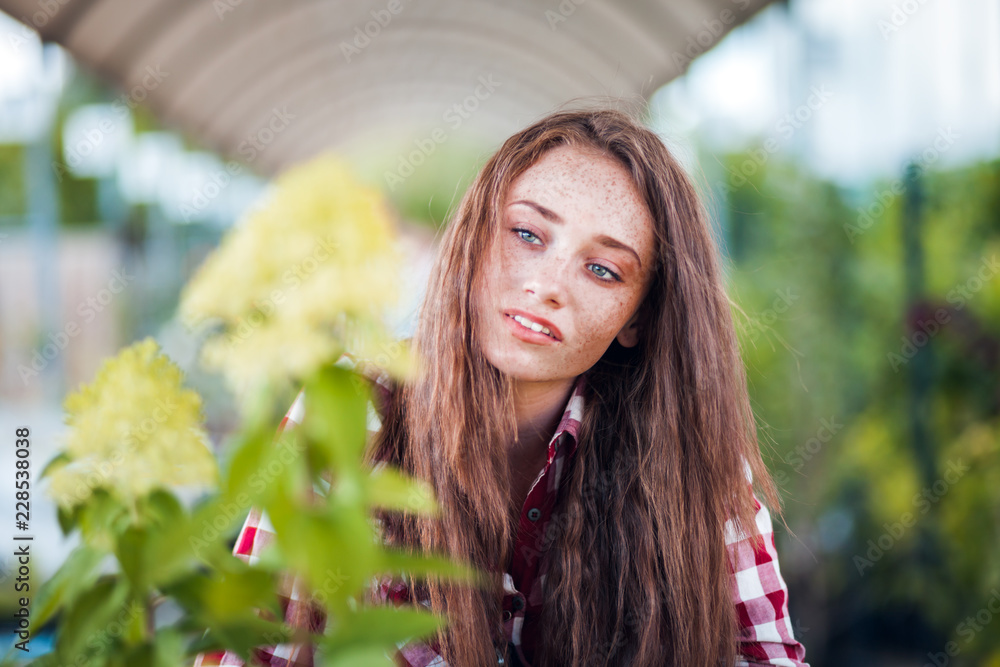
{"x":899,"y":73}
{"x":19,"y":58}
{"x":22,"y":112}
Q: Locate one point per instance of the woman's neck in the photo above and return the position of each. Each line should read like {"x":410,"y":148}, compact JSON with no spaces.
{"x":539,"y":408}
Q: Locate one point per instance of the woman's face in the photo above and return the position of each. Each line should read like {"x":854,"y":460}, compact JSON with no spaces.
{"x":574,"y":255}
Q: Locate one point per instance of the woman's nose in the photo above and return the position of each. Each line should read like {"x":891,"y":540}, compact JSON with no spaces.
{"x":548,"y":280}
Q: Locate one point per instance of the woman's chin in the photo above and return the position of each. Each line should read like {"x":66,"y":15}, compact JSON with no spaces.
{"x":519,"y":366}
{"x":531,"y":370}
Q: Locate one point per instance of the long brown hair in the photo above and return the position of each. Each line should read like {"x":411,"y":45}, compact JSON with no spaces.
{"x":638,"y":569}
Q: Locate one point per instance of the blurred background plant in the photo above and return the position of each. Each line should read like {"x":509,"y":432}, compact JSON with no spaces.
{"x":873,"y":365}
{"x":136,"y":434}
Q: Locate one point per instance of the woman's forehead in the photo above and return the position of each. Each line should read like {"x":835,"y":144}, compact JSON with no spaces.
{"x":571,"y":170}
{"x":575,"y":183}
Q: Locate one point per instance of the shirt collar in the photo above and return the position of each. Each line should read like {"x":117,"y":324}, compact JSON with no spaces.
{"x":569,"y":425}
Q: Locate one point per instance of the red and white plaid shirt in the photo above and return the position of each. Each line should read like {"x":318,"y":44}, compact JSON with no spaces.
{"x":759,"y":591}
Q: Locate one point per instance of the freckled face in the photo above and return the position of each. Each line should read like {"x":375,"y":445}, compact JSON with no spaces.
{"x":574,"y":255}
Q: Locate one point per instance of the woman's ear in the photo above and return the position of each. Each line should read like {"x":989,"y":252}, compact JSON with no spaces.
{"x":629,"y":334}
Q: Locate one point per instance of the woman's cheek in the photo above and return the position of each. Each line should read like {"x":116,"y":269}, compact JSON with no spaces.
{"x":614,"y":318}
{"x":595,"y":333}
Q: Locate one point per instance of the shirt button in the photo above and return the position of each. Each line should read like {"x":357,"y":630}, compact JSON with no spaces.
{"x":517,"y":603}
{"x":534,"y":513}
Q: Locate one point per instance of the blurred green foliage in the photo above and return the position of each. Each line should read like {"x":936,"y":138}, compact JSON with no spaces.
{"x":133,"y":558}
{"x":78,"y":197}
{"x":836,"y":345}
{"x":13,"y":198}
{"x":423,"y":171}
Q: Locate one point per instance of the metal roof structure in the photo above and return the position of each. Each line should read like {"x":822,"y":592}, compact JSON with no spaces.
{"x":306,"y":75}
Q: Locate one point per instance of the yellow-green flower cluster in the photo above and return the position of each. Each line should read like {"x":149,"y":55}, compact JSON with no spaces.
{"x":134,"y":429}
{"x":307,"y":275}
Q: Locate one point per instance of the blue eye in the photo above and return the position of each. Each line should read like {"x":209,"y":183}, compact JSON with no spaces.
{"x":522,"y":234}
{"x":606,"y":272}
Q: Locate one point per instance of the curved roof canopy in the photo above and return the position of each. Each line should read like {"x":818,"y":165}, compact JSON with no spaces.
{"x":273,"y":82}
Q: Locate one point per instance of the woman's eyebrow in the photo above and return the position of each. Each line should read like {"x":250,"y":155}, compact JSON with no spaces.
{"x":603,"y":239}
{"x":548,"y":214}
{"x":610,"y":242}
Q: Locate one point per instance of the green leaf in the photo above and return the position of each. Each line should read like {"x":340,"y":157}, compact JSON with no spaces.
{"x":59,"y":460}
{"x":222,"y":608}
{"x":316,"y":541}
{"x":230,"y":593}
{"x":47,"y":660}
{"x":210,"y":640}
{"x":130,"y":549}
{"x":364,"y":656}
{"x":86,"y":627}
{"x":336,"y":416}
{"x":184,"y":543}
{"x":169,"y":648}
{"x":165,"y":650}
{"x":215,"y":522}
{"x":76,"y":574}
{"x":243,"y":635}
{"x":391,"y":489}
{"x":102,"y":517}
{"x":259,"y":457}
{"x":68,"y":518}
{"x":163,"y":507}
{"x":382,"y":627}
{"x":248,"y":453}
{"x":142,"y":655}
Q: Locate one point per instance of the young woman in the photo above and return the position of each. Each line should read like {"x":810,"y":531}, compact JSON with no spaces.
{"x":584,"y":421}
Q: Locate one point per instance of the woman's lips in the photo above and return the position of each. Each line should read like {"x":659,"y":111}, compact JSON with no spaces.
{"x":532,"y":319}
{"x":526,"y":334}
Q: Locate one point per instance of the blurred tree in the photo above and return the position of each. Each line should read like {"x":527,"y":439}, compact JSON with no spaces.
{"x":13,"y":202}
{"x":829,"y":339}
